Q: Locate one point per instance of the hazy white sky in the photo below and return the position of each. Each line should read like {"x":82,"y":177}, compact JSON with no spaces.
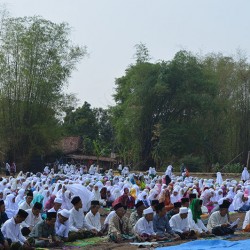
{"x":111,"y":28}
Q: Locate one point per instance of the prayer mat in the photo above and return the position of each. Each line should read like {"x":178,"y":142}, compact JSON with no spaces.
{"x":86,"y":242}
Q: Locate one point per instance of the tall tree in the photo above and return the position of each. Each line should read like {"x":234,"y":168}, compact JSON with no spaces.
{"x":36,"y":61}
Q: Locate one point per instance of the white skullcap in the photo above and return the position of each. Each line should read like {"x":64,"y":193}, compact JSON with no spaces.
{"x":183,"y":210}
{"x":58,"y":200}
{"x":148,"y":211}
{"x":65,"y":213}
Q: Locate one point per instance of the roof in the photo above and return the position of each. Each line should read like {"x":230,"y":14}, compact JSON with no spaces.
{"x":87,"y":157}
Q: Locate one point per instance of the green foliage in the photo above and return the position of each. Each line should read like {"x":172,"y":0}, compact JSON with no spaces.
{"x":233,"y":168}
{"x":36,"y":60}
{"x":194,"y":163}
{"x":196,"y":106}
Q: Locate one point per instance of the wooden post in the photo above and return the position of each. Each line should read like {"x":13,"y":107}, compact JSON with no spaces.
{"x":248,"y":158}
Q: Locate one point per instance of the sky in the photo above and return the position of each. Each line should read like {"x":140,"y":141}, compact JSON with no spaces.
{"x":111,"y":28}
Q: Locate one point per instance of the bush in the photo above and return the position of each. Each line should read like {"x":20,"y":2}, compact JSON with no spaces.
{"x":193,"y":163}
{"x":233,"y":168}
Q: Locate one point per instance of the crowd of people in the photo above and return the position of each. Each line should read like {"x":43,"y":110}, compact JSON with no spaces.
{"x":46,"y":209}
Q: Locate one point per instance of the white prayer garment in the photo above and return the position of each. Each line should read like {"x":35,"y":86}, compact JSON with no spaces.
{"x":12,"y":231}
{"x":178,"y":224}
{"x":94,"y":220}
{"x":143,"y":226}
{"x":77,"y":220}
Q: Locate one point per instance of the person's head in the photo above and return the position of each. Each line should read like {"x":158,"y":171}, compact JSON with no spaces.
{"x":140,"y":207}
{"x":191,"y":197}
{"x":148,"y":213}
{"x":51,"y":219}
{"x":126,"y":191}
{"x":1,"y":195}
{"x":154,"y":203}
{"x":95,"y":206}
{"x":119,"y":209}
{"x":29,"y":197}
{"x":57,"y":203}
{"x":20,"y":216}
{"x":175,"y":192}
{"x":63,"y":216}
{"x":96,"y":188}
{"x":161,"y":209}
{"x":2,"y":206}
{"x":183,"y":212}
{"x":177,"y":206}
{"x":185,"y":202}
{"x":224,"y":207}
{"x":77,"y":202}
{"x":37,"y":208}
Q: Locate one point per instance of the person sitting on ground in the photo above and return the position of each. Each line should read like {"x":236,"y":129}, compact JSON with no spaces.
{"x":180,"y":224}
{"x":3,"y":218}
{"x":175,"y":210}
{"x":143,"y":228}
{"x":161,"y":224}
{"x":119,"y":227}
{"x":78,"y":223}
{"x":43,"y":230}
{"x":93,"y":217}
{"x":218,"y":222}
{"x":57,"y":205}
{"x":136,"y":215}
{"x":62,"y":224}
{"x":153,"y":204}
{"x":195,"y":207}
{"x":32,"y":219}
{"x":12,"y":232}
{"x":27,"y":203}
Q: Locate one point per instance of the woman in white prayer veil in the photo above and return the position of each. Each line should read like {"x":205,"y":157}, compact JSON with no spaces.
{"x":66,"y":198}
{"x":57,"y":188}
{"x":238,"y":200}
{"x":6,"y":191}
{"x":153,"y":194}
{"x":244,"y":175}
{"x":116,"y":193}
{"x":11,"y":207}
{"x":219,"y":179}
{"x":81,"y":191}
{"x":20,"y":196}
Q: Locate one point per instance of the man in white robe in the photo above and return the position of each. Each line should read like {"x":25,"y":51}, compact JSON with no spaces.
{"x":32,"y":219}
{"x":27,"y":203}
{"x":62,"y":224}
{"x":218,"y":222}
{"x":93,"y":217}
{"x":77,"y":222}
{"x":180,"y":224}
{"x":144,"y":229}
{"x":11,"y":229}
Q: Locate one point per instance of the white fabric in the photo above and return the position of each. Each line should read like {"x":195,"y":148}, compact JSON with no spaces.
{"x":62,"y":230}
{"x":12,"y":231}
{"x":31,"y":220}
{"x":77,"y":220}
{"x":94,"y":220}
{"x":178,"y":224}
{"x":143,"y":226}
{"x":215,"y":220}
